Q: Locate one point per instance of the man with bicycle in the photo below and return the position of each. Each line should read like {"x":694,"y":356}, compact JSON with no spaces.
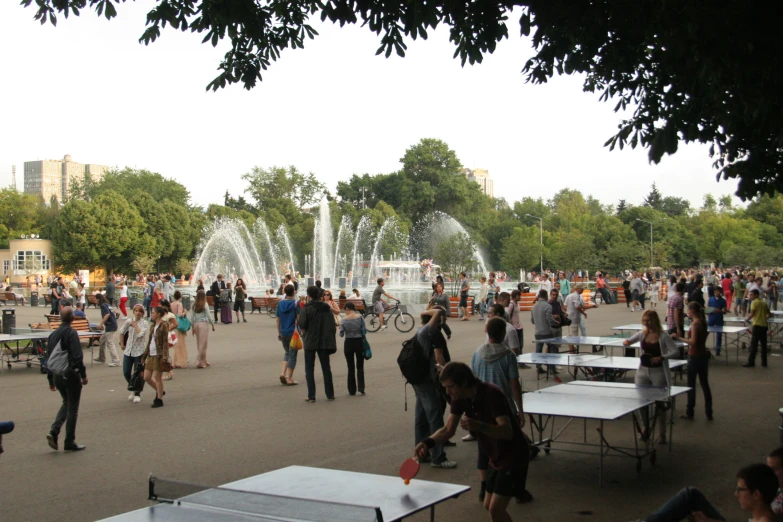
{"x":378,"y":304}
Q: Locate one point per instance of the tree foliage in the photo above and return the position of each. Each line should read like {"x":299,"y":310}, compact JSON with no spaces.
{"x":269,"y":186}
{"x":688,"y":71}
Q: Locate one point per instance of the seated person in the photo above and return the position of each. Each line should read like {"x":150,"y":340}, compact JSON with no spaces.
{"x":79,"y":312}
{"x":16,"y":296}
{"x":757,"y":486}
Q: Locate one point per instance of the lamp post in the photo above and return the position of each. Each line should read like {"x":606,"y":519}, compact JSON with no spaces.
{"x":541,"y":224}
{"x":652,"y":262}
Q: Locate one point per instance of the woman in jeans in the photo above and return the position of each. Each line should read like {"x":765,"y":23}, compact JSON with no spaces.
{"x":352,"y":328}
{"x":157,"y":352}
{"x":201,"y":320}
{"x":698,"y":359}
{"x":181,"y":348}
{"x":656,"y":350}
{"x":137,"y":328}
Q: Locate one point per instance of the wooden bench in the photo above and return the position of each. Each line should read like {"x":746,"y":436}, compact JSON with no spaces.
{"x":358,"y":304}
{"x":9,"y":296}
{"x":268,"y":304}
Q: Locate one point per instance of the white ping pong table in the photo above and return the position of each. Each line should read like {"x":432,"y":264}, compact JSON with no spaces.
{"x":26,"y":346}
{"x":727,"y":331}
{"x":601,"y":401}
{"x":593,"y":366}
{"x":297,"y":494}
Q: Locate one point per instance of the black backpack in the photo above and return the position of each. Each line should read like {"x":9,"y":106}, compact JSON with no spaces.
{"x":413,"y":363}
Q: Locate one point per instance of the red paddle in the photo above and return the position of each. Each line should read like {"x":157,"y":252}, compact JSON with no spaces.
{"x":409,"y":469}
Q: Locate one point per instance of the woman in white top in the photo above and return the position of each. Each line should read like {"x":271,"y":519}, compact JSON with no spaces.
{"x":482,"y":297}
{"x":137,"y":328}
{"x":123,"y":288}
{"x":655,"y":288}
{"x":157,"y":352}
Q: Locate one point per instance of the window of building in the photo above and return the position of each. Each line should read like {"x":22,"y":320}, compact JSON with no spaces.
{"x":32,"y":260}
{"x":6,"y":266}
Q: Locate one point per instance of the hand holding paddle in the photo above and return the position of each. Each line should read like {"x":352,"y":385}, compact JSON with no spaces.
{"x":410,"y":468}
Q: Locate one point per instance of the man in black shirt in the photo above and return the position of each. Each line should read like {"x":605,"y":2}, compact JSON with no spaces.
{"x":69,"y":385}
{"x":217,"y":286}
{"x":56,"y":293}
{"x":697,"y":293}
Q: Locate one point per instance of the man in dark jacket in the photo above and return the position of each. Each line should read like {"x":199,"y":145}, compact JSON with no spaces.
{"x":217,"y":286}
{"x":318,"y":327}
{"x":69,"y":385}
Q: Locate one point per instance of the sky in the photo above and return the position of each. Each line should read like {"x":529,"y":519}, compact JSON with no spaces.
{"x":88,"y":88}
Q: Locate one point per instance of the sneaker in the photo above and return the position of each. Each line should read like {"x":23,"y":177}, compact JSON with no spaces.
{"x":131,"y":396}
{"x":74,"y":447}
{"x":157,"y":403}
{"x":114,"y":364}
{"x":136,"y":399}
{"x":51,"y":438}
{"x":446,"y":464}
{"x":468,"y":438}
{"x":244,"y":320}
{"x":383,"y":327}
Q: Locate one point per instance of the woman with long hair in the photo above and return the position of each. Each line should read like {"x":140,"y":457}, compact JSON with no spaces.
{"x":157,"y":354}
{"x":181,"y":348}
{"x":352,"y":328}
{"x":136,"y":328}
{"x":240,"y":294}
{"x":171,"y":321}
{"x":698,"y":359}
{"x":656,"y":350}
{"x":333,"y":306}
{"x":201,"y":320}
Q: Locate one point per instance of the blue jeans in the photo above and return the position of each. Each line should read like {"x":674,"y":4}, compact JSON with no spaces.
{"x":128,"y":364}
{"x":716,"y":321}
{"x":482,"y":309}
{"x":428,"y":417}
{"x":685,"y":502}
{"x":323,"y":357}
{"x":290,"y":355}
{"x":146,"y":304}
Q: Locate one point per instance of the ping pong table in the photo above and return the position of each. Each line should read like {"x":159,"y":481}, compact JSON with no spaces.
{"x":593,"y":366}
{"x":300,"y":494}
{"x":727,"y":331}
{"x":601,"y":401}
{"x":31,"y":342}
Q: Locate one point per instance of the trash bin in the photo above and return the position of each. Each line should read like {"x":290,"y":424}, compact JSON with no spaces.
{"x":33,"y":298}
{"x":9,"y":319}
{"x":187,"y":301}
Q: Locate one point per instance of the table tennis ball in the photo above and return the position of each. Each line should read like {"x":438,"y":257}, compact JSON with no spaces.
{"x":407,"y":481}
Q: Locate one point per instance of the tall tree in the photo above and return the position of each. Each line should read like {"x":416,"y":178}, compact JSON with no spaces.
{"x":654,"y":199}
{"x":276,"y":183}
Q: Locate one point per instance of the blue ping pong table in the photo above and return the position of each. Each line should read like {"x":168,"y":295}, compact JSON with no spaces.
{"x":727,"y":331}
{"x":592,"y":366}
{"x":299,"y":494}
{"x":601,"y":401}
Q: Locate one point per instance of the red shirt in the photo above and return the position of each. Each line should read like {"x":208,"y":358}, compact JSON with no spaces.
{"x":489,"y":404}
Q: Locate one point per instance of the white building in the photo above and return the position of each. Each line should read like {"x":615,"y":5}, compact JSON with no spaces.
{"x":481,"y":176}
{"x":47,"y":178}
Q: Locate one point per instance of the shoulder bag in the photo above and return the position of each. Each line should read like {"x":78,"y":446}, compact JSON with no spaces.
{"x":366,"y":344}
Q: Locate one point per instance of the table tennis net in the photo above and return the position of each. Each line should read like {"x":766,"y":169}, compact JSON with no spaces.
{"x":261,"y":505}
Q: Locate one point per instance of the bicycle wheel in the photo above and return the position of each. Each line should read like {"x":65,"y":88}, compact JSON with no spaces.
{"x":272,"y":312}
{"x":372,"y":322}
{"x":404,"y":322}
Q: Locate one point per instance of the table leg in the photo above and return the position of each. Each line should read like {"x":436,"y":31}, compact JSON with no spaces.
{"x":601,"y":459}
{"x":432,"y":513}
{"x":671,"y":423}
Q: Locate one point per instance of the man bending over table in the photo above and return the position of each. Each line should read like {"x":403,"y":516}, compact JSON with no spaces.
{"x":483,"y":409}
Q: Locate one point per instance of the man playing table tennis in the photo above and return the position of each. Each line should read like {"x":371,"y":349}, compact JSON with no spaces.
{"x":483,"y":409}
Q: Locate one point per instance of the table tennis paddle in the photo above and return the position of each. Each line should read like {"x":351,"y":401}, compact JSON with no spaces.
{"x":409,"y":469}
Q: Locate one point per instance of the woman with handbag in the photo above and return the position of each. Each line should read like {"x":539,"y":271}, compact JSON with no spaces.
{"x":156,"y":357}
{"x":328,"y":299}
{"x":137,"y":328}
{"x":183,"y":325}
{"x":352,"y":328}
{"x":201,"y":320}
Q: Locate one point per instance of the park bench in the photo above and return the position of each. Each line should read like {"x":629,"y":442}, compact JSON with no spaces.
{"x":9,"y":296}
{"x":358,"y":304}
{"x":267,"y":304}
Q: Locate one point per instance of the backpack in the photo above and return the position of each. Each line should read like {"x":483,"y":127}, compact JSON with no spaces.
{"x":413,"y":363}
{"x":225,"y":296}
{"x":59,"y":361}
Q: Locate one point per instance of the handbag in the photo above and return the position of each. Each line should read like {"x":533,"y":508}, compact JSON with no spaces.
{"x":564,"y":320}
{"x":136,"y":383}
{"x":296,"y":341}
{"x":165,"y":365}
{"x":366,"y":344}
{"x":183,"y":323}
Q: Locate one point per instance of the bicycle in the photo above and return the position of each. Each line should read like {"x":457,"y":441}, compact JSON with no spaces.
{"x":403,"y":321}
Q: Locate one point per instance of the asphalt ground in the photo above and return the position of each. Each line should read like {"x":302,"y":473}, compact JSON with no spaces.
{"x":235,"y":420}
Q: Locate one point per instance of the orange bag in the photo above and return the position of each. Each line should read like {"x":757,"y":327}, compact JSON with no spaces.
{"x":296,"y":341}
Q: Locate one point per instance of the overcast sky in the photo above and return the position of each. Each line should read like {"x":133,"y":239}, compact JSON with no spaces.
{"x":88,"y":88}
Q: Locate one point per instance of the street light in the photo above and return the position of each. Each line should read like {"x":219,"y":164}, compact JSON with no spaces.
{"x":541,"y":223}
{"x":652,"y":262}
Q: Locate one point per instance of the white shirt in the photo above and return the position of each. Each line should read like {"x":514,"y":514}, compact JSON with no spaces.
{"x":546,"y":285}
{"x":153,"y":346}
{"x":572,"y":302}
{"x":123,"y":292}
{"x":512,"y":339}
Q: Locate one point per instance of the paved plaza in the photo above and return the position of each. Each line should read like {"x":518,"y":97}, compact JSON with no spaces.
{"x":234,"y":420}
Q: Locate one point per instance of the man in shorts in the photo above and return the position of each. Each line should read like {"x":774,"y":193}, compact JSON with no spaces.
{"x":484,"y":410}
{"x":378,"y":304}
{"x":464,"y":287}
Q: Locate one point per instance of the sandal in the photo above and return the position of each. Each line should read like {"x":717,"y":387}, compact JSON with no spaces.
{"x":282,"y":379}
{"x":291,"y":383}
